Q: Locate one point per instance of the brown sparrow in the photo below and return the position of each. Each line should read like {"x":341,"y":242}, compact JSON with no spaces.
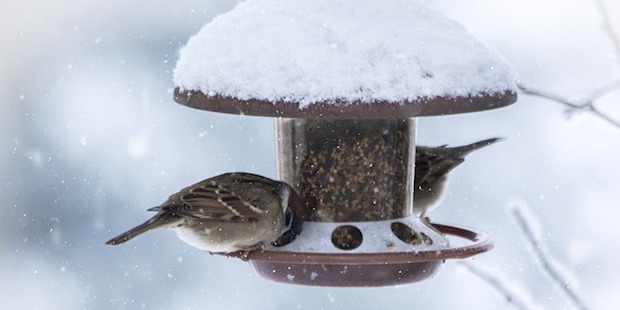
{"x":432,"y":165}
{"x":229,"y":213}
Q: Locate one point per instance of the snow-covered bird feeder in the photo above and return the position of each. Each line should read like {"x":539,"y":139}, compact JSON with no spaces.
{"x":345,"y":81}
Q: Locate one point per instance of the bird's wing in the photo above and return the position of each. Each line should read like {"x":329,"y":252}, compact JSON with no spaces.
{"x":210,"y":201}
{"x":430,"y":167}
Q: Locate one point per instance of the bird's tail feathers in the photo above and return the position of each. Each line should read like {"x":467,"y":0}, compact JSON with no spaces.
{"x":155,"y":222}
{"x":130,"y":234}
{"x":466,"y":149}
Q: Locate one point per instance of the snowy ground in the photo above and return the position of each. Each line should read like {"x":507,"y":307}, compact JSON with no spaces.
{"x":91,"y":138}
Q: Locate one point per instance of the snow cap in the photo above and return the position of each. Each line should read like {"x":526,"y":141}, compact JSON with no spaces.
{"x":333,"y":58}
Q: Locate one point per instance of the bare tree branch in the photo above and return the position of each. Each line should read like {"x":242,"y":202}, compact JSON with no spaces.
{"x":588,"y":105}
{"x":542,"y":94}
{"x":548,"y":265}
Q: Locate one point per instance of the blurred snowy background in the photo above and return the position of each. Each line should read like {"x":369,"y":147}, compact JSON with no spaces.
{"x":91,"y":138}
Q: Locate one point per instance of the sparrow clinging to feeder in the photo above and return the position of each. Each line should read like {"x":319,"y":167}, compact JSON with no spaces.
{"x":229,"y":213}
{"x":432,"y":166}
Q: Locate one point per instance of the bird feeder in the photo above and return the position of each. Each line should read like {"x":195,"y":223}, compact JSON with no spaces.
{"x":345,"y":82}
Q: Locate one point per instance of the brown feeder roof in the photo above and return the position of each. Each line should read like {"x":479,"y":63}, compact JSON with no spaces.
{"x":378,"y":109}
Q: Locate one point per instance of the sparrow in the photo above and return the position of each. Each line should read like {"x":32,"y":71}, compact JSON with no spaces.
{"x":229,"y":213}
{"x":432,"y":166}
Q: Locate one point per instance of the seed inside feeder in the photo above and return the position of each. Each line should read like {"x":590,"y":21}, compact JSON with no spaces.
{"x":347,"y":237}
{"x":405,"y":233}
{"x":349,"y":169}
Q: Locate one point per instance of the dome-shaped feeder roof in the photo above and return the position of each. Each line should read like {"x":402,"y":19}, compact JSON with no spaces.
{"x":343,"y":59}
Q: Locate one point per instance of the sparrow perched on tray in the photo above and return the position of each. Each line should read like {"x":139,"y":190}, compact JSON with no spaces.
{"x":229,"y":213}
{"x":432,"y":166}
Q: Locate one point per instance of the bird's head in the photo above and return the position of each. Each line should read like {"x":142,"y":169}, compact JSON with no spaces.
{"x":294,"y":212}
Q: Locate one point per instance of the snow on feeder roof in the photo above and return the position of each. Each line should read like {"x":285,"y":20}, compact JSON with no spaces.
{"x":340,"y":59}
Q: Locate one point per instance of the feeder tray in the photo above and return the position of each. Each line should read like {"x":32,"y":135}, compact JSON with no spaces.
{"x":345,"y":82}
{"x":362,"y":269}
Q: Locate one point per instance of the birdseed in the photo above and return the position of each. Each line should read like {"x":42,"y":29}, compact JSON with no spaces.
{"x":349,"y":170}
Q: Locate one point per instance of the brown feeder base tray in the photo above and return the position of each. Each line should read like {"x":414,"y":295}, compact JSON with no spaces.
{"x":363,"y":269}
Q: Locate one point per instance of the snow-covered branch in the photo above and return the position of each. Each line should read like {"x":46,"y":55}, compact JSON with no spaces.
{"x":518,"y":296}
{"x":527,"y":223}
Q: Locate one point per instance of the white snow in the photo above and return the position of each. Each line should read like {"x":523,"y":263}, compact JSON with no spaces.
{"x":323,"y":51}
